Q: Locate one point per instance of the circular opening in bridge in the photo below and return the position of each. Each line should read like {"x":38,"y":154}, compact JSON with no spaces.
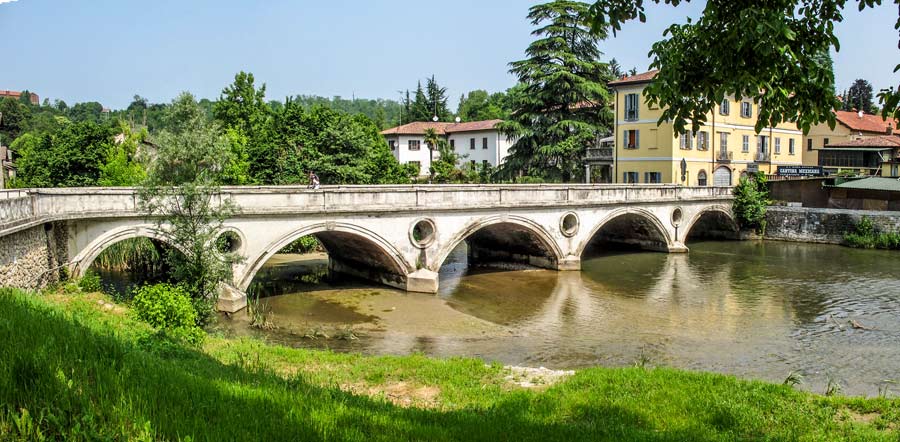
{"x":677,"y":216}
{"x":422,"y":233}
{"x":568,"y":224}
{"x":228,"y":242}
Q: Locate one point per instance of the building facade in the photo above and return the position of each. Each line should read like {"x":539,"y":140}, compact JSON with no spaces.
{"x":724,"y":149}
{"x":875,"y":156}
{"x":35,"y":100}
{"x":851,"y":126}
{"x":477,"y":142}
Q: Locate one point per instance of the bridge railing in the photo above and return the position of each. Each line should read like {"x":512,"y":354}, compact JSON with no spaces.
{"x":19,"y":207}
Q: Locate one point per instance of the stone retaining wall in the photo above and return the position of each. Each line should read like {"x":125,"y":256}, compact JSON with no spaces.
{"x":30,"y":258}
{"x":823,"y":225}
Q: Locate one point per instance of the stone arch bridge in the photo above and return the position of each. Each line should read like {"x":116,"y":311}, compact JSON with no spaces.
{"x":395,"y":235}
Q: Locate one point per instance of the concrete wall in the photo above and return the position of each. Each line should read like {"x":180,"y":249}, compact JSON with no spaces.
{"x":34,"y":257}
{"x":822,"y":225}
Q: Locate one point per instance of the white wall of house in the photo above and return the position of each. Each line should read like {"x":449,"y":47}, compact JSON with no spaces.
{"x":404,"y":155}
{"x":495,"y":153}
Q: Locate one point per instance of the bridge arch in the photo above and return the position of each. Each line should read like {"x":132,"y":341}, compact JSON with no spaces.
{"x":716,"y":221}
{"x":522,"y":239}
{"x":365,"y":245}
{"x":83,"y":260}
{"x":646,"y":230}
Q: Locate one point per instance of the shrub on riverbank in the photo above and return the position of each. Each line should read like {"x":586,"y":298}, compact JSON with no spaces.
{"x":866,"y":236}
{"x":169,"y":309}
{"x":751,"y":197}
{"x":71,"y":371}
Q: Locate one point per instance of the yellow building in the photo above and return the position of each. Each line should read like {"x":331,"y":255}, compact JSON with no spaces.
{"x":718,"y":154}
{"x":851,"y":126}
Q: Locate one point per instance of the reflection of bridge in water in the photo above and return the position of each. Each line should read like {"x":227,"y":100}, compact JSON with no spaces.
{"x":395,"y":235}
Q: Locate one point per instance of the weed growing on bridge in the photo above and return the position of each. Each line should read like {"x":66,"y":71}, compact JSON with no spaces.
{"x":72,"y":371}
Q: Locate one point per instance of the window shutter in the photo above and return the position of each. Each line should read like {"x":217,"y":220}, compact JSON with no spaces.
{"x":625,"y":139}
{"x":637,"y":139}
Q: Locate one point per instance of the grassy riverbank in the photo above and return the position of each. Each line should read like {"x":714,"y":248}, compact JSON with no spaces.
{"x":74,"y":367}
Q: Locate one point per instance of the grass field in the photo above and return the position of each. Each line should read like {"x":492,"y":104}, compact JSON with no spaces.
{"x":73,"y":367}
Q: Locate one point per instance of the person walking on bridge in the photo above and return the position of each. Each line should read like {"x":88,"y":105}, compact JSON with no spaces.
{"x":313,"y":181}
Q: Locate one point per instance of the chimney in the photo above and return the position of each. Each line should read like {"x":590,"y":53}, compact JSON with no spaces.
{"x":860,"y":114}
{"x":890,"y":129}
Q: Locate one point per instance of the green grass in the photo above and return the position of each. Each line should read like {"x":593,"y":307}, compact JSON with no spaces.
{"x":70,"y":370}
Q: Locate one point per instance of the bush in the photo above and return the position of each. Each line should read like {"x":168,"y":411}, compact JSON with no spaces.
{"x":90,"y":282}
{"x":304,"y":244}
{"x":751,"y":197}
{"x":169,"y":309}
{"x":866,"y":236}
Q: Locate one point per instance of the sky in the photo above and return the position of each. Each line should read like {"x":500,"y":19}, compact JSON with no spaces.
{"x":110,"y":50}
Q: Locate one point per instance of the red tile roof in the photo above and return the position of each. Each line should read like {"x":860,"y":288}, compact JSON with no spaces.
{"x":868,"y":122}
{"x":15,"y":94}
{"x":419,"y":127}
{"x":891,"y":141}
{"x":634,"y":79}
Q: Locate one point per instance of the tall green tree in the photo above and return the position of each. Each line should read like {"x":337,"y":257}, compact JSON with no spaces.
{"x":14,"y":120}
{"x":478,"y":105}
{"x":73,"y":157}
{"x":859,"y":97}
{"x":182,"y":193}
{"x":563,"y":106}
{"x":436,"y":99}
{"x":774,"y":52}
{"x":419,"y":109}
{"x":242,"y":106}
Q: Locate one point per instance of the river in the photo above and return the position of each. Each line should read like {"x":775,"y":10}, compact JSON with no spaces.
{"x":757,"y":310}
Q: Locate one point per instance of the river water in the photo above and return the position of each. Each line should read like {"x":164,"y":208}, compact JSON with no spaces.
{"x":758,"y":310}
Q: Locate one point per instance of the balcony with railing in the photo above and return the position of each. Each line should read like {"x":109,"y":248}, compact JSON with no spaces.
{"x":763,"y":157}
{"x":599,"y":154}
{"x":725,"y":156}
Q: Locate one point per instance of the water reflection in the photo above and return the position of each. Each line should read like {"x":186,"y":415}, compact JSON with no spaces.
{"x":754,"y":309}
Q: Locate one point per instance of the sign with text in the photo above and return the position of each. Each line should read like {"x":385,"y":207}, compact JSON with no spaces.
{"x":752,"y":168}
{"x":800,"y":171}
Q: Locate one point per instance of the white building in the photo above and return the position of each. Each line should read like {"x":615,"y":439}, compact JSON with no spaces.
{"x":477,"y":142}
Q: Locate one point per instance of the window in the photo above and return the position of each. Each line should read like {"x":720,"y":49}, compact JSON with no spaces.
{"x":746,"y":109}
{"x":485,"y":164}
{"x":809,"y":144}
{"x":762,"y":144}
{"x":472,"y":162}
{"x":629,"y":177}
{"x":725,"y":107}
{"x":484,"y":143}
{"x":653,"y":177}
{"x":393,"y":144}
{"x":701,"y":178}
{"x":777,"y":145}
{"x":414,"y":145}
{"x":702,"y":140}
{"x":453,"y":144}
{"x":418,"y":166}
{"x":825,"y":142}
{"x":631,"y":107}
{"x":723,"y":141}
{"x":791,"y":145}
{"x":687,"y":141}
{"x":745,"y":147}
{"x":632,"y":139}
{"x":471,"y":144}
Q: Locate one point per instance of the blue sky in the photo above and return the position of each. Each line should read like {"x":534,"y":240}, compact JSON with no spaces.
{"x":109,"y":50}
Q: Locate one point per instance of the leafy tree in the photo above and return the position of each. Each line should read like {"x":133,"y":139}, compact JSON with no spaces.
{"x":241,"y":106}
{"x":751,"y":197}
{"x":859,"y":97}
{"x":89,"y":111}
{"x":14,"y":119}
{"x":182,"y":193}
{"x":563,"y":104}
{"x":121,"y":167}
{"x":73,"y":157}
{"x":615,"y":69}
{"x":775,"y":53}
{"x":445,"y":168}
{"x":478,"y":105}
